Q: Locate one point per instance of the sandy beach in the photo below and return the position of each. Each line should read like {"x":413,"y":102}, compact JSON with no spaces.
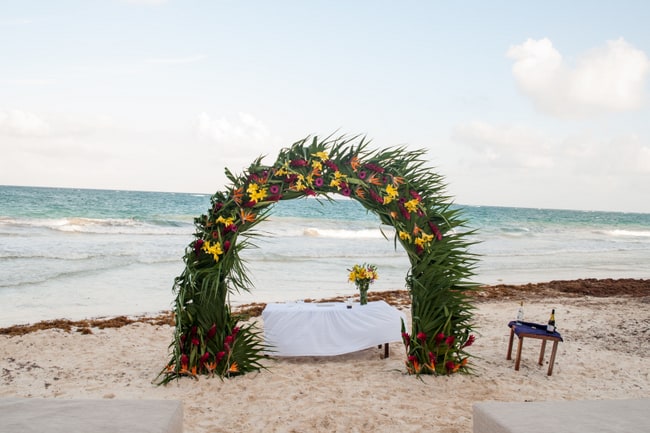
{"x":605,"y":325}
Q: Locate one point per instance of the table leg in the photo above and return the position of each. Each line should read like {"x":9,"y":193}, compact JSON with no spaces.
{"x":552,"y":361}
{"x":541,"y":353}
{"x":512,"y":335}
{"x":518,"y":359}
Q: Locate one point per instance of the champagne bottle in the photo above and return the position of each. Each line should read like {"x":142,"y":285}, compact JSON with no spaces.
{"x":520,"y":312}
{"x":551,"y":322}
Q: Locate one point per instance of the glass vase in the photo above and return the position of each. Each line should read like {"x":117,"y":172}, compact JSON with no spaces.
{"x":363,"y":293}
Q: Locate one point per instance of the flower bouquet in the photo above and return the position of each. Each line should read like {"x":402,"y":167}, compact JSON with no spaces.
{"x":362,"y":276}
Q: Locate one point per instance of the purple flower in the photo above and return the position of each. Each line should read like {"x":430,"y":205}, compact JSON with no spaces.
{"x":346,"y":191}
{"x":319,"y":182}
{"x":274,"y":189}
{"x":363,"y":174}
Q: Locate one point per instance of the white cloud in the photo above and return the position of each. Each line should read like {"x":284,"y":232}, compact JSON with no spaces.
{"x":245,"y":136}
{"x":516,"y":147}
{"x":22,"y":123}
{"x":177,"y":60}
{"x":611,"y":78}
{"x":146,"y":2}
{"x":513,"y":146}
{"x":236,"y":142}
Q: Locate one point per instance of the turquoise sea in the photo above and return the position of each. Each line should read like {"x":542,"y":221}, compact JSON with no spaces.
{"x":78,"y":253}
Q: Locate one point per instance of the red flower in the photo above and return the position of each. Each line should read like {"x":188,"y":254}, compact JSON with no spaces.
{"x":374,"y":167}
{"x":184,"y":360}
{"x":235,"y":331}
{"x":415,"y":195}
{"x":439,"y":338}
{"x":197,"y":246}
{"x":450,"y":365}
{"x":204,"y":357}
{"x":299,"y":163}
{"x":450,"y":340}
{"x":310,"y":191}
{"x":422,"y":337}
{"x":469,"y":341}
{"x":219,"y":356}
{"x":331,"y":165}
{"x":412,"y":358}
{"x":432,"y":358}
{"x":226,"y":246}
{"x":195,"y":341}
{"x":436,"y":231}
{"x":406,"y":338}
{"x":212,"y":331}
{"x":379,"y":199}
{"x":228,"y":340}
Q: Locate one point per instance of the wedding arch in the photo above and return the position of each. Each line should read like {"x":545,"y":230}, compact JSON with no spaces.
{"x":393,"y":183}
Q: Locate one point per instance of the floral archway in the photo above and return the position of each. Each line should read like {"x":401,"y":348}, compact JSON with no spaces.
{"x":393,"y":183}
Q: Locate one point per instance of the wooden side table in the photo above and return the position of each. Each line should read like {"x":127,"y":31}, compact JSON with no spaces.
{"x":533,"y":330}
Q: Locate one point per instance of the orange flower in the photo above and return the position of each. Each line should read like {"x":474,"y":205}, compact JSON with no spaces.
{"x":374,"y":179}
{"x":246,"y":216}
{"x":234,"y":368}
{"x":238,"y":194}
{"x":416,"y":230}
{"x":354,"y":163}
{"x":397,"y":181}
{"x":360,"y":192}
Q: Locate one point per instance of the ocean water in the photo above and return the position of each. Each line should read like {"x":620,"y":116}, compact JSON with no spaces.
{"x":77,"y":253}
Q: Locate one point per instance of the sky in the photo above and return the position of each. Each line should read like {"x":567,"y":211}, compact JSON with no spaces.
{"x":525,"y":104}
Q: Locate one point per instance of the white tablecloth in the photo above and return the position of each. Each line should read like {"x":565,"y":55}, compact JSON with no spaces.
{"x":309,"y":329}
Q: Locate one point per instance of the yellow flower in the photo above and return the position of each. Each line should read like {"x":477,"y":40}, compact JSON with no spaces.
{"x":335,"y":182}
{"x":317,"y":166}
{"x":411,"y":205}
{"x":404,"y":236}
{"x":322,"y":155}
{"x":423,"y":240}
{"x":255,"y":192}
{"x":259,"y":195}
{"x":212,"y":248}
{"x":226,"y":221}
{"x":391,"y":191}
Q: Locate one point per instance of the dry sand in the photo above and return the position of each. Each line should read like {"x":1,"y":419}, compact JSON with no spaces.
{"x":604,"y":355}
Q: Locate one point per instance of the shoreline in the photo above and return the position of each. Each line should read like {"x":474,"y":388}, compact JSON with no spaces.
{"x":608,"y":287}
{"x":604,"y":356}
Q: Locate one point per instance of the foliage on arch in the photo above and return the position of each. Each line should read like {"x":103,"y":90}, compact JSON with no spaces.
{"x":393,"y":183}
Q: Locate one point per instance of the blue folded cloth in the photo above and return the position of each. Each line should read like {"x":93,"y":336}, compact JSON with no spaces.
{"x":533,"y":328}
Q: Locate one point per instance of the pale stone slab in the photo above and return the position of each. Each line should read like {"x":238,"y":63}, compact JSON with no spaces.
{"x":581,"y":416}
{"x":39,"y":415}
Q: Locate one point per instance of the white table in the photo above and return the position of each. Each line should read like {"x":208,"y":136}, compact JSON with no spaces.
{"x":327,"y":329}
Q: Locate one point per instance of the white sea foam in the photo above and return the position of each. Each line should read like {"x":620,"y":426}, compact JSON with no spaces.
{"x":629,"y":233}
{"x":343,"y":234}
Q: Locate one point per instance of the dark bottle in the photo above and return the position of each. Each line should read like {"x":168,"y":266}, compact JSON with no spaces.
{"x":551,"y":322}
